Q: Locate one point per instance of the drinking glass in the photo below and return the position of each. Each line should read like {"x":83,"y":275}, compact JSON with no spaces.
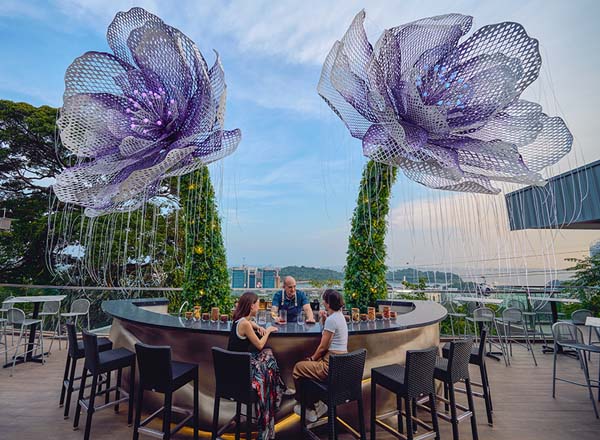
{"x":371,"y":313}
{"x":262,"y":317}
{"x":214,"y":314}
{"x":386,"y":312}
{"x":301,"y":318}
{"x":355,"y":314}
{"x":282,"y":316}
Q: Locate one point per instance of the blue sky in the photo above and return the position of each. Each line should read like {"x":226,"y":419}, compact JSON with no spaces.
{"x":287,"y":194}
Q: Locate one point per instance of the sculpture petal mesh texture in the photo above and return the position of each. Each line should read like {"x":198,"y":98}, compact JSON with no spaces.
{"x":153,"y":109}
{"x":448,"y":113}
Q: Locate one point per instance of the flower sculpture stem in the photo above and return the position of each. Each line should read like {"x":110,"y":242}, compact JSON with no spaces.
{"x":364,"y":281}
{"x":206,"y":278}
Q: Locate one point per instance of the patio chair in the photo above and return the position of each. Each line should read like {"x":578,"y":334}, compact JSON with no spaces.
{"x":50,"y":310}
{"x":484,"y":317}
{"x":512,"y":319}
{"x":569,"y":336}
{"x":16,"y":318}
{"x":454,"y":315}
{"x":79,"y":307}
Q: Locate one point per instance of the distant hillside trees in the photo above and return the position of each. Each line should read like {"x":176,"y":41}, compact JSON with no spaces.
{"x":305,"y":273}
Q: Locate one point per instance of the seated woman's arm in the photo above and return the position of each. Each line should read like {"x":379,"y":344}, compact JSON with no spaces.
{"x":261,"y":330}
{"x":245,"y":329}
{"x":323,"y":346}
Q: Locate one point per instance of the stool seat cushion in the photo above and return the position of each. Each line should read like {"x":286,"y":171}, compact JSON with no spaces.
{"x":390,"y":377}
{"x":183,"y":372}
{"x":104,"y":344}
{"x":114,"y":359}
{"x":474,"y":359}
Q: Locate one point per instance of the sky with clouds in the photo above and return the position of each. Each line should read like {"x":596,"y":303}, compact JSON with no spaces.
{"x":287,"y":194}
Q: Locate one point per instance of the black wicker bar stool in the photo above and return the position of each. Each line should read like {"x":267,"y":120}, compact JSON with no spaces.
{"x":478,"y":358}
{"x":450,"y":371}
{"x":160,"y":374}
{"x":408,"y":382}
{"x":97,"y":363}
{"x":75,"y":352}
{"x":343,"y":385}
{"x":233,"y":376}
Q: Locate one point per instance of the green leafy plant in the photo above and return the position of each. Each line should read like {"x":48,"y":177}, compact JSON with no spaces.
{"x":365,"y":271}
{"x":206,"y":277}
{"x":585,"y":282}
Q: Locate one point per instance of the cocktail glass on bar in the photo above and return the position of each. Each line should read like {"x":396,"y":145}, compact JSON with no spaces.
{"x":371,"y":313}
{"x":214,"y":314}
{"x":386,"y":312}
{"x":205,"y":316}
{"x":224,"y":319}
{"x":282,"y":317}
{"x":355,"y":314}
{"x":301,"y":317}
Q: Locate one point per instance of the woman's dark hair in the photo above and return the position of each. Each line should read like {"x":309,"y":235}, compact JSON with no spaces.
{"x":244,"y":305}
{"x":334,"y":299}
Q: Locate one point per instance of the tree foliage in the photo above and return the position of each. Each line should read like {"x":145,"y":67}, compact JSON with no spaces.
{"x":585,"y":282}
{"x":206,"y":277}
{"x":365,"y":262}
{"x":28,"y":161}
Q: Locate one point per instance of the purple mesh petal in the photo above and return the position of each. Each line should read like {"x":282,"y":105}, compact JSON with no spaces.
{"x":447,"y":113}
{"x":150,"y":111}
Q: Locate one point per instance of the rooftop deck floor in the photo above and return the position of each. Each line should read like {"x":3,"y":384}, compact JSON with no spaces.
{"x":523,"y":404}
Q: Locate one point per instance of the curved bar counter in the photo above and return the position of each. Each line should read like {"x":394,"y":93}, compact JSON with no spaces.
{"x":386,"y":341}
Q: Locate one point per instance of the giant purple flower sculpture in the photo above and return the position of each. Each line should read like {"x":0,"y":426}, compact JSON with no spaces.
{"x":151,"y":110}
{"x":447,"y":113}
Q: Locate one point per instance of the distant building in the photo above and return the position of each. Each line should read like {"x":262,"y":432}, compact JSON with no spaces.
{"x":238,"y":278}
{"x":255,"y":278}
{"x":270,"y":278}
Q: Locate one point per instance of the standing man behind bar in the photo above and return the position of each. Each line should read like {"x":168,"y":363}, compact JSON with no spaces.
{"x":292,"y":300}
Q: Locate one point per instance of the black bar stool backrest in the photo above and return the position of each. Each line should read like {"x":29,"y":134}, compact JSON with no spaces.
{"x":418,"y":371}
{"x":72,"y":337}
{"x":482,"y":339}
{"x":233,"y":374}
{"x":345,"y":376}
{"x":90,"y":345}
{"x":458,"y":359}
{"x":154,"y":363}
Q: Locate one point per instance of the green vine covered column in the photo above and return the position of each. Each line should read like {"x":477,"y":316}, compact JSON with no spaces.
{"x":364,"y":281}
{"x":206,"y":277}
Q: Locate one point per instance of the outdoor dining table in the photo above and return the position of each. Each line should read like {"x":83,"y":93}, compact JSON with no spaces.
{"x":479,"y":300}
{"x":36,"y":300}
{"x":553,"y":302}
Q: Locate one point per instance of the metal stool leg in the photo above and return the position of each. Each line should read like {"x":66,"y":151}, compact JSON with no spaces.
{"x":373,"y":410}
{"x":70,"y":388}
{"x":215,"y":426}
{"x":471,"y":408}
{"x":91,"y":410}
{"x":63,"y":388}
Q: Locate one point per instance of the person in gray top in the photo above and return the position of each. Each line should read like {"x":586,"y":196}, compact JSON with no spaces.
{"x":333,"y":340}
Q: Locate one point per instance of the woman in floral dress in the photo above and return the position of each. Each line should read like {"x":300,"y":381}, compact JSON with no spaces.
{"x":247,"y":336}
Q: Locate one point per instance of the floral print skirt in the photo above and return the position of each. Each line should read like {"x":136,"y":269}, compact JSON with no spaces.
{"x":269,"y":387}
